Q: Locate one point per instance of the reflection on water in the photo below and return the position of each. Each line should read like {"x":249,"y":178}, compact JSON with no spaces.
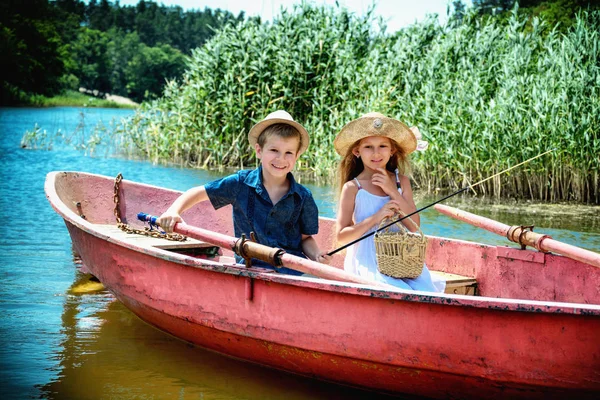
{"x":108,"y":352}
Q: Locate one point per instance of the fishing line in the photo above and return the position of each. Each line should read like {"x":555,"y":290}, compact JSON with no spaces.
{"x":435,"y":202}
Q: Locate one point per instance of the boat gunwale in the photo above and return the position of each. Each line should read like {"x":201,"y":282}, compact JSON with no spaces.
{"x":500,"y":304}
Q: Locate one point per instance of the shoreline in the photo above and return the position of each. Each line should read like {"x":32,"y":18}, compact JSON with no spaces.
{"x":74,"y":98}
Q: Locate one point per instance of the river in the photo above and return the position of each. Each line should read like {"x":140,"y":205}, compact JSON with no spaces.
{"x":58,"y":344}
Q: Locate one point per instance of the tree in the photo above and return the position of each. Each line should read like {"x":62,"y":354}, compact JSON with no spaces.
{"x":149,"y":69}
{"x":560,"y":12}
{"x":493,"y":6}
{"x":100,"y":16}
{"x":457,"y":12}
{"x":32,"y":48}
{"x":90,"y":55}
{"x":121,"y":49}
{"x":52,"y":45}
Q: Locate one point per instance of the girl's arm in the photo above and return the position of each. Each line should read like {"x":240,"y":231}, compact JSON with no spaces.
{"x":406,"y":200}
{"x":387,"y":183}
{"x":173,"y":214}
{"x":312,"y":251}
{"x":345,"y":229}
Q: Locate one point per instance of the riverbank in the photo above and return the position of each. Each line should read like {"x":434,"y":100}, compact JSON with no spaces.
{"x":72,"y":98}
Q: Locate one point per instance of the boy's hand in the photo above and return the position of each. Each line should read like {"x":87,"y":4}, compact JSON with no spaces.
{"x":323,"y":258}
{"x":382,"y":179}
{"x":168,"y":220}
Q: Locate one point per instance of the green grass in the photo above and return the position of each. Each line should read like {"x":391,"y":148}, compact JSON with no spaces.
{"x":73,"y":99}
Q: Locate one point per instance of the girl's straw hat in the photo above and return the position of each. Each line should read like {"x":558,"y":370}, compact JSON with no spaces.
{"x":375,"y":124}
{"x":278,"y":117}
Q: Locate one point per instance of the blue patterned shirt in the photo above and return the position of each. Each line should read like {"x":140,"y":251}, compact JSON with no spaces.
{"x":281,"y":225}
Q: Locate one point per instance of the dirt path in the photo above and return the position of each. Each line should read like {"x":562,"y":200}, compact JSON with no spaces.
{"x":120,"y":100}
{"x":110,"y":97}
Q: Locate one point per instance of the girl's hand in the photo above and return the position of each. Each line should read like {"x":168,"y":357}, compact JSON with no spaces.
{"x":388,"y":210}
{"x":323,"y":258}
{"x":168,"y":220}
{"x":382,"y":179}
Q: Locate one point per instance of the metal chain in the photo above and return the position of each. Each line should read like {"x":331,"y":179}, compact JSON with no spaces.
{"x":146,"y":231}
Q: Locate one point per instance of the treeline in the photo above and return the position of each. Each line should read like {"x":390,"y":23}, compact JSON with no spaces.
{"x":49,"y":47}
{"x":486,"y":92}
{"x":558,"y":14}
{"x":52,"y":46}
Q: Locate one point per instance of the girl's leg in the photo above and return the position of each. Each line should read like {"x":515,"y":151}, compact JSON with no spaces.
{"x":399,"y":283}
{"x":425,"y":282}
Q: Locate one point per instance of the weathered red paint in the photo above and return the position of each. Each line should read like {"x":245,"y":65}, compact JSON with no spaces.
{"x":532,"y":334}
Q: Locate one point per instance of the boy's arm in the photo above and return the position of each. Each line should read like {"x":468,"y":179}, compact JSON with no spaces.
{"x":309,"y":222}
{"x":188,"y":199}
{"x":312,"y":251}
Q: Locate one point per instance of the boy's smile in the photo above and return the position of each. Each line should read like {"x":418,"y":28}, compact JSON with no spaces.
{"x":278,"y":155}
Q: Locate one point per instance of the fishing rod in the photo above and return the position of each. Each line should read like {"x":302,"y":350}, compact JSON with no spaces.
{"x":434,"y":203}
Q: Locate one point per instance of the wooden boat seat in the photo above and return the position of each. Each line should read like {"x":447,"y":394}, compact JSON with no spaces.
{"x":458,"y":284}
{"x":142,"y":240}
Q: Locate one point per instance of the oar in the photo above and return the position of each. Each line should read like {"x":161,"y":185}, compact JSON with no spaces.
{"x":271,"y":255}
{"x":434,"y":203}
{"x":519,"y":235}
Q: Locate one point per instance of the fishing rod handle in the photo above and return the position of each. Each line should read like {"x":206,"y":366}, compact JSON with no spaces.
{"x":147,"y":218}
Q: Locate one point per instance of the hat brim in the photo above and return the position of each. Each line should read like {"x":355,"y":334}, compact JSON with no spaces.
{"x":264,"y":124}
{"x":364,"y":127}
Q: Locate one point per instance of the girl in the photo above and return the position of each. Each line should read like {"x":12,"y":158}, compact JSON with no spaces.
{"x":373,"y":187}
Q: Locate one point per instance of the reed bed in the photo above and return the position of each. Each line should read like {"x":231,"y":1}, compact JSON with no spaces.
{"x":485,"y":94}
{"x":92,"y":140}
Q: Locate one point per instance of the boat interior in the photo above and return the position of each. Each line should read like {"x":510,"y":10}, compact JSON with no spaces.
{"x":455,"y":283}
{"x":469,"y":268}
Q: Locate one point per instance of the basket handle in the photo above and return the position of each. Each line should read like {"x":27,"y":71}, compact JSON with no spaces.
{"x":401,"y":214}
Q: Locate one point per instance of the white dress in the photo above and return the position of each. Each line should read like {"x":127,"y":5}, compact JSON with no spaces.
{"x":361,"y":258}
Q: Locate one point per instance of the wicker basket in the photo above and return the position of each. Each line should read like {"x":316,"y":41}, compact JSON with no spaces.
{"x":400,"y":254}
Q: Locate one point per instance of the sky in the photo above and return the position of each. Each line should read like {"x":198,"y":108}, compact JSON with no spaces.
{"x":397,"y":13}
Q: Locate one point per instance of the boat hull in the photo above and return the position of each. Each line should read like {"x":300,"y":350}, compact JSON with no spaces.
{"x":439,"y":346}
{"x":388,"y":345}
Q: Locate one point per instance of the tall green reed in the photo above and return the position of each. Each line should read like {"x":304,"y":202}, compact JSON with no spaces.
{"x":486,"y":94}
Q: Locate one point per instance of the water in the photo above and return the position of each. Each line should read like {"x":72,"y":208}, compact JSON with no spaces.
{"x":60,"y":345}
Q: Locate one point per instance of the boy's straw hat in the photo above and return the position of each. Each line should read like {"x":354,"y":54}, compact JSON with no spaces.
{"x":375,"y":124}
{"x":278,"y":117}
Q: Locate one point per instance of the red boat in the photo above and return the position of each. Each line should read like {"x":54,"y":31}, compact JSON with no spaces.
{"x":524,"y":324}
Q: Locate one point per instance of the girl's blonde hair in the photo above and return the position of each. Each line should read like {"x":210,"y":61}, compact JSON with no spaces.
{"x":351,"y":166}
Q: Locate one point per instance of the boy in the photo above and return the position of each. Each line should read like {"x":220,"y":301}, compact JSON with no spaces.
{"x":267,"y":200}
